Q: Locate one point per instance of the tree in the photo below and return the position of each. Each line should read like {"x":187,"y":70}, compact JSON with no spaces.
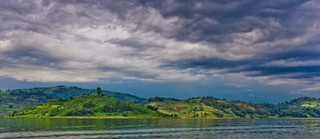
{"x":60,"y":99}
{"x":99,"y":91}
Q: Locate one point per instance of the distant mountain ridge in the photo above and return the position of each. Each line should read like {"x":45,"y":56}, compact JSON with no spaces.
{"x":73,"y":91}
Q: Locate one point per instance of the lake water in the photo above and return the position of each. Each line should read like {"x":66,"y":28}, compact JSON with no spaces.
{"x":159,"y":128}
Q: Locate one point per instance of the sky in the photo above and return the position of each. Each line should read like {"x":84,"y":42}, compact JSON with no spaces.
{"x":251,"y":50}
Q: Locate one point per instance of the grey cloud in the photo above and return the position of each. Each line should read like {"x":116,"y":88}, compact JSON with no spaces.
{"x":34,"y":55}
{"x":256,"y":66}
{"x":135,"y":43}
{"x":27,"y":55}
{"x":234,"y":16}
{"x":218,"y":24}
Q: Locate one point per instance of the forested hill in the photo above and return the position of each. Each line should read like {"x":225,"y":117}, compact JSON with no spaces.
{"x":89,"y":106}
{"x":199,"y":107}
{"x":12,"y":101}
{"x":17,"y":100}
{"x":66,"y":92}
{"x":209,"y":107}
{"x":303,"y":107}
{"x":196,"y":107}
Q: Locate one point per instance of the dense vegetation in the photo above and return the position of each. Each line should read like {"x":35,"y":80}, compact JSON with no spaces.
{"x":304,"y":107}
{"x":197,"y":107}
{"x":89,"y":106}
{"x":67,"y":92}
{"x":20,"y":99}
{"x":17,"y":100}
{"x":209,"y":107}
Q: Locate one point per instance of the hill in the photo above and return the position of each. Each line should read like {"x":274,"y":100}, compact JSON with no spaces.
{"x":20,"y":99}
{"x":196,"y":107}
{"x":73,"y":91}
{"x":209,"y":107}
{"x":17,"y":100}
{"x":304,"y":107}
{"x":89,"y":106}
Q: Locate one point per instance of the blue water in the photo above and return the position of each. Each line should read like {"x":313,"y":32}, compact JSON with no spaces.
{"x":159,"y":128}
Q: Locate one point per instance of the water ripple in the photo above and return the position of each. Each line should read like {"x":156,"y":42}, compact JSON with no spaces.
{"x":164,"y":129}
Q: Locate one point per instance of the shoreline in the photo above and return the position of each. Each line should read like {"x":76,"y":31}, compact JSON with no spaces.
{"x":289,"y":118}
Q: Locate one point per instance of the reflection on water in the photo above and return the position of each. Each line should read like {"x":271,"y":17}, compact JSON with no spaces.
{"x":158,"y":128}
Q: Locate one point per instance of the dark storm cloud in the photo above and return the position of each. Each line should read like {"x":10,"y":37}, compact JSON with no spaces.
{"x":256,"y":38}
{"x":258,"y":66}
{"x":28,"y":55}
{"x":267,"y":71}
{"x":211,"y":20}
{"x":244,"y":16}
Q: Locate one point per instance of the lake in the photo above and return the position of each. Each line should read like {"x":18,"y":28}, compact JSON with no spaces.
{"x":159,"y":128}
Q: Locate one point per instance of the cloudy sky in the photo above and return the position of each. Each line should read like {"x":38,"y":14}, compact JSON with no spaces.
{"x":262,"y":51}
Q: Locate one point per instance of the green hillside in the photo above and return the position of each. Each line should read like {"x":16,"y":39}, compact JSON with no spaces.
{"x":209,"y":107}
{"x":304,"y":107}
{"x":89,"y":106}
{"x":197,"y":107}
{"x":18,"y":100}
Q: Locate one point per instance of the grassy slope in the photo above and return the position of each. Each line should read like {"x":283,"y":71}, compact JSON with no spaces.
{"x":21,"y":101}
{"x":208,"y":107}
{"x":202,"y":108}
{"x":184,"y":109}
{"x":89,"y":106}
